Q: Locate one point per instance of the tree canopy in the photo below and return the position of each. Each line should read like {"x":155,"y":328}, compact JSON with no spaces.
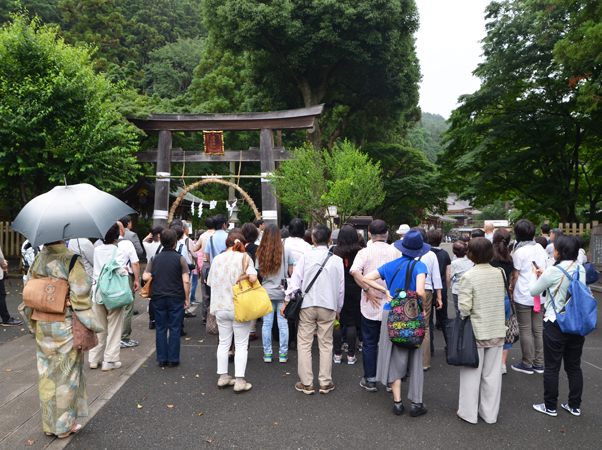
{"x":523,"y":134}
{"x":56,"y":117}
{"x":356,"y":56}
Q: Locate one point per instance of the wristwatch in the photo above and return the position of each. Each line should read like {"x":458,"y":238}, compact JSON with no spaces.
{"x":367,"y":289}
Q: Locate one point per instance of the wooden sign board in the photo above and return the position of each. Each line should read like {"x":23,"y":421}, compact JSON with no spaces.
{"x":214,"y":142}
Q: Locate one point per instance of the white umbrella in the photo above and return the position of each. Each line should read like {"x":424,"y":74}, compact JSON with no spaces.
{"x":68,"y":212}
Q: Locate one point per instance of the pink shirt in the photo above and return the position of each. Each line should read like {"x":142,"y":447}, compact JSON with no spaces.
{"x":367,"y":260}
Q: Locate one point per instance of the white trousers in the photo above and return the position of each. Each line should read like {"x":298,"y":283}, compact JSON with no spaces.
{"x":481,"y":388}
{"x":227,"y":327}
{"x":109,"y":340}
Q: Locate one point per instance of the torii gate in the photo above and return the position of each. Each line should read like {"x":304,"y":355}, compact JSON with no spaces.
{"x":266,"y":123}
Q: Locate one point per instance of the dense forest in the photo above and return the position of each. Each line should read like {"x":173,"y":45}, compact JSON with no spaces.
{"x":220,"y":56}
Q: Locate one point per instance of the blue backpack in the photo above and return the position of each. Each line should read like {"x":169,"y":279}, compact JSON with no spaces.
{"x":580,"y":311}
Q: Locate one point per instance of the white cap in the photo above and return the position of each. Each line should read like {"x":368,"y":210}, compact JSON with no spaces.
{"x":403,"y":229}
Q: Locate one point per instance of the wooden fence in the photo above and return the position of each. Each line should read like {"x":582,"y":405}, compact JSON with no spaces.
{"x":10,"y":241}
{"x":577,"y":228}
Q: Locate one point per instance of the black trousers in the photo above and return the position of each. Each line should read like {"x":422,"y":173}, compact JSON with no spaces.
{"x":559,"y":347}
{"x":351,"y":339}
{"x":4,"y":315}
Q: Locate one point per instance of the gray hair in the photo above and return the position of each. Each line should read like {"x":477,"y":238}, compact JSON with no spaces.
{"x":557,"y":231}
{"x":489,"y":226}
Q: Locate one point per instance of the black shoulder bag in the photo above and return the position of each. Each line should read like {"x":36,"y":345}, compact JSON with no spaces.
{"x":293,"y":307}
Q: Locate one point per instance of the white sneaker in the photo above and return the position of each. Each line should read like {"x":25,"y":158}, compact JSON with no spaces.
{"x":337,"y":359}
{"x":111,"y":365}
{"x":93,"y":365}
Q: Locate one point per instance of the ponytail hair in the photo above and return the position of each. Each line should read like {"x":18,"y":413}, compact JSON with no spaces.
{"x":501,"y":240}
{"x":236,"y":241}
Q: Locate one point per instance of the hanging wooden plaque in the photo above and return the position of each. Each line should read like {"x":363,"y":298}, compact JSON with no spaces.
{"x":214,"y":142}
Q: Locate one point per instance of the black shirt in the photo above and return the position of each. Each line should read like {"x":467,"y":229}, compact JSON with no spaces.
{"x":167,"y":268}
{"x":508,"y":267}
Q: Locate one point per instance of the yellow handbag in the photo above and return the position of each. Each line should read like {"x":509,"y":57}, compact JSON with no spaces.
{"x":251,"y":301}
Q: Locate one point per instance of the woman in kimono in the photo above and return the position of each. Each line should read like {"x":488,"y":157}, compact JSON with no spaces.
{"x":62,"y":386}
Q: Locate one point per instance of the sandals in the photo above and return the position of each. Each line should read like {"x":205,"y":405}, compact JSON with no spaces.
{"x":74,"y":429}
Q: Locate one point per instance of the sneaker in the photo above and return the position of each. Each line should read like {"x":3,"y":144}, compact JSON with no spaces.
{"x":12,"y":322}
{"x":370,"y":386}
{"x":93,"y":365}
{"x":351,"y":360}
{"x":538,"y":369}
{"x":388,"y":388}
{"x":522,"y":368}
{"x":542,"y":409}
{"x":417,"y":409}
{"x":130,"y":343}
{"x":195,"y":303}
{"x":345,"y":347}
{"x":309,"y":390}
{"x":267,"y":358}
{"x":504,"y":370}
{"x":337,"y":359}
{"x":110,"y":365}
{"x":253,"y":336}
{"x":326,"y":389}
{"x":283,"y":358}
{"x":152,"y":325}
{"x":573,"y":411}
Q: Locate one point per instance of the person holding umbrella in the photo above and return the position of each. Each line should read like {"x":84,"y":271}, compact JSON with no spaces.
{"x":62,"y":385}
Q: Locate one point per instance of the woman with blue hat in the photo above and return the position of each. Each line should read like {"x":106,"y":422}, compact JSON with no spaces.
{"x":394,"y":362}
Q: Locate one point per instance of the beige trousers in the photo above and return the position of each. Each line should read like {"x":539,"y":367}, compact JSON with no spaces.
{"x":481,"y":388}
{"x":309,"y":318}
{"x":109,"y":340}
{"x":426,"y":344}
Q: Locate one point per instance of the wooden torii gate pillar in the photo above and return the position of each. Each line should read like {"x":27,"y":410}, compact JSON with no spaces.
{"x":265,"y":123}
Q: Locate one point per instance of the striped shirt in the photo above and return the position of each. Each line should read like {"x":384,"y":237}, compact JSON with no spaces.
{"x":367,"y":260}
{"x":481,"y":296}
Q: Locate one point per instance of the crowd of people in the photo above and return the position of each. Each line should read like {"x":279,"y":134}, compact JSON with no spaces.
{"x":347,"y":289}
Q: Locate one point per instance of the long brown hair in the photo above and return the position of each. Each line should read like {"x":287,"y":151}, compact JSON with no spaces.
{"x":269,"y":253}
{"x":501,"y":239}
{"x":239,"y":246}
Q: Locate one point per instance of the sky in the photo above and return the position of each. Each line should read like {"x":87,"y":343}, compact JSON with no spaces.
{"x":448,"y":48}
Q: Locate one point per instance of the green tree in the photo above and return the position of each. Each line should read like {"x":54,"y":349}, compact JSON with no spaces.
{"x":170,"y":70}
{"x":580,"y":50}
{"x":356,"y":56}
{"x":523,"y":134}
{"x":411,"y":183}
{"x":100,"y":24}
{"x":56,"y":117}
{"x":312,"y":180}
{"x":47,"y":10}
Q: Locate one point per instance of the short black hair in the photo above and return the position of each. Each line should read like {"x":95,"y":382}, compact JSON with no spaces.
{"x":125,"y":221}
{"x":156,"y":229}
{"x":545,"y":228}
{"x":259,"y":223}
{"x":524,"y":230}
{"x":459,"y":249}
{"x":321,"y":234}
{"x":112,"y":234}
{"x":476,"y":233}
{"x":176,"y":223}
{"x":296,"y":228}
{"x":480,"y":250}
{"x":179,"y":231}
{"x":219,"y":221}
{"x":567,"y":248}
{"x":209,"y":223}
{"x":169,"y":238}
{"x":434,"y":237}
{"x":542,"y":240}
{"x":250,"y":232}
{"x":284,"y":233}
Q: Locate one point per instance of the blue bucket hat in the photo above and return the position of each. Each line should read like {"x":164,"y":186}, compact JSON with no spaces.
{"x":412,"y":244}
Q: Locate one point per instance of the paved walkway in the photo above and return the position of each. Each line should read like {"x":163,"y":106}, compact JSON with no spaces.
{"x":20,"y":419}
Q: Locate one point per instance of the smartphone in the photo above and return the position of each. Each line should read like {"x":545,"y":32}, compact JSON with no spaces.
{"x":535,"y":264}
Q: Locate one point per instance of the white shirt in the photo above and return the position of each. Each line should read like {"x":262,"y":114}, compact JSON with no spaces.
{"x":489,"y":237}
{"x":522,"y":261}
{"x":298,"y":247}
{"x":550,"y":250}
{"x":433,"y":277}
{"x":85,"y":249}
{"x":130,"y":252}
{"x":102,"y":255}
{"x":151,"y":249}
{"x":183,"y":250}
